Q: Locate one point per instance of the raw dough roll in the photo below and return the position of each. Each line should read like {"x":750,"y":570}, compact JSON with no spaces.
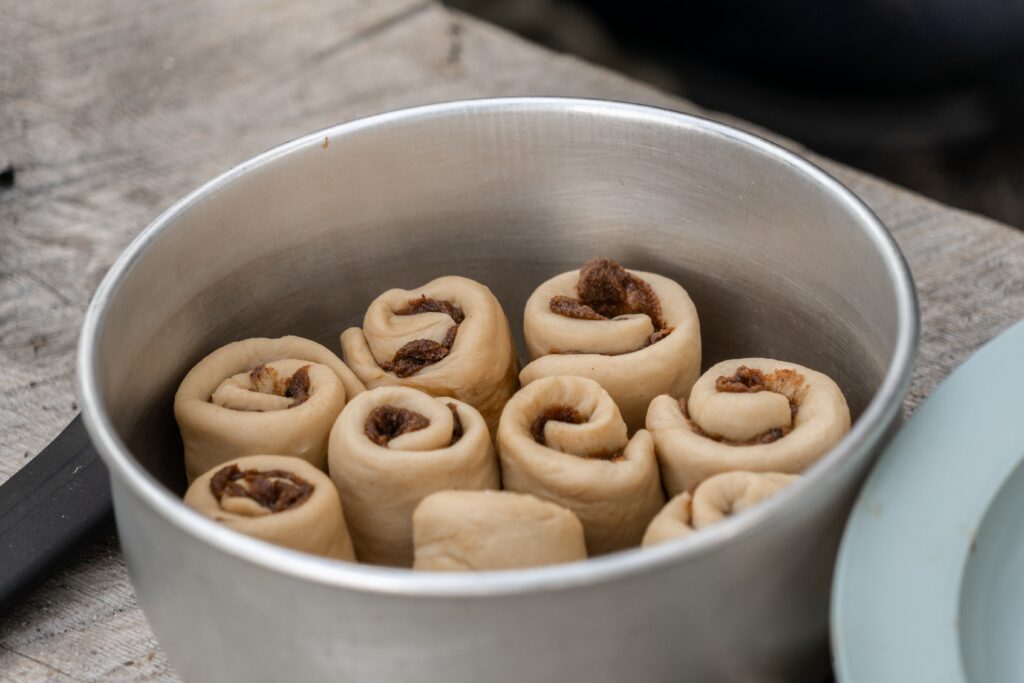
{"x":275,"y":396}
{"x":636,"y":333}
{"x":753,"y":414}
{"x":731,"y":492}
{"x":449,"y":337}
{"x":275,"y":498}
{"x":674,"y":520}
{"x":714,"y":499}
{"x":480,"y":530}
{"x":562,"y":439}
{"x":393,"y":446}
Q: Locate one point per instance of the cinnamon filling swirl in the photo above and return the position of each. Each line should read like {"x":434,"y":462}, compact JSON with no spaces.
{"x":606,"y":291}
{"x":386,"y":422}
{"x":557,"y":413}
{"x":267,"y":380}
{"x":787,"y":382}
{"x":273,"y":490}
{"x":419,"y":353}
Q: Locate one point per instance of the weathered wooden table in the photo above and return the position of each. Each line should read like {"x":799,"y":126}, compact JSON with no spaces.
{"x":110,"y":110}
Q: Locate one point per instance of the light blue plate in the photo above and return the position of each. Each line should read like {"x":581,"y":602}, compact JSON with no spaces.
{"x":929,"y":584}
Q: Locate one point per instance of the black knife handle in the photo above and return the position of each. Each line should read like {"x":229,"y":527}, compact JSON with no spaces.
{"x":48,"y":509}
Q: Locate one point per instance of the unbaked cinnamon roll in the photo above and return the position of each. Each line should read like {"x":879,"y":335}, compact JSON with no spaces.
{"x":562,"y":439}
{"x":449,"y":337}
{"x":672,"y":521}
{"x":713,"y":500}
{"x":393,"y":446}
{"x":635,"y":333}
{"x":482,"y":530}
{"x":275,"y":498}
{"x":261,"y":396}
{"x":753,"y":414}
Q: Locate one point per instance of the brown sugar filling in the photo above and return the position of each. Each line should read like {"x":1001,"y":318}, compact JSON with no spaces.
{"x":267,"y":380}
{"x":573,"y":308}
{"x":386,"y":422}
{"x":298,"y":386}
{"x":415,"y":355}
{"x":564,"y":413}
{"x":275,"y":490}
{"x":457,"y":430}
{"x":607,"y":290}
{"x":745,"y":380}
{"x":426,"y":305}
{"x":787,"y":382}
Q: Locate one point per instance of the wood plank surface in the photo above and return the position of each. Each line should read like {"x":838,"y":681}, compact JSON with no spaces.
{"x":110,"y":110}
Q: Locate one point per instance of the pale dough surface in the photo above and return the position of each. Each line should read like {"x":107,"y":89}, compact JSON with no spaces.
{"x":732,"y":492}
{"x":686,"y":457}
{"x":672,"y":521}
{"x":479,"y":370}
{"x":559,"y":345}
{"x":714,"y":499}
{"x":614,"y":499}
{"x":85,"y":621}
{"x":382,"y":485}
{"x":316,"y":526}
{"x":483,"y":530}
{"x":220,"y":418}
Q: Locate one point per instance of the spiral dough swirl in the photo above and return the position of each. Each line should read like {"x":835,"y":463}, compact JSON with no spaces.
{"x":563,"y":439}
{"x":449,"y":337}
{"x":635,"y":333}
{"x":714,"y":499}
{"x":278,"y":499}
{"x":752,"y":414}
{"x":393,"y":446}
{"x":261,"y":396}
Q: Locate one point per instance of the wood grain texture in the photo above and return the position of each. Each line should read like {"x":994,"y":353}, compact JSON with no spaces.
{"x":110,"y":110}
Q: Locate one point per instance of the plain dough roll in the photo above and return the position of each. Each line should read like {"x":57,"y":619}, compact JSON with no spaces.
{"x":275,"y":498}
{"x":731,"y":492}
{"x":482,"y":530}
{"x":393,"y":446}
{"x":647,"y":344}
{"x":753,"y":414}
{"x":246,"y":398}
{"x":714,"y":499}
{"x":562,"y":439}
{"x":449,"y":337}
{"x":672,"y":521}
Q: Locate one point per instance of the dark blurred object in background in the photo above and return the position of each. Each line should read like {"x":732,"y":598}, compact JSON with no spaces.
{"x":929,"y":94}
